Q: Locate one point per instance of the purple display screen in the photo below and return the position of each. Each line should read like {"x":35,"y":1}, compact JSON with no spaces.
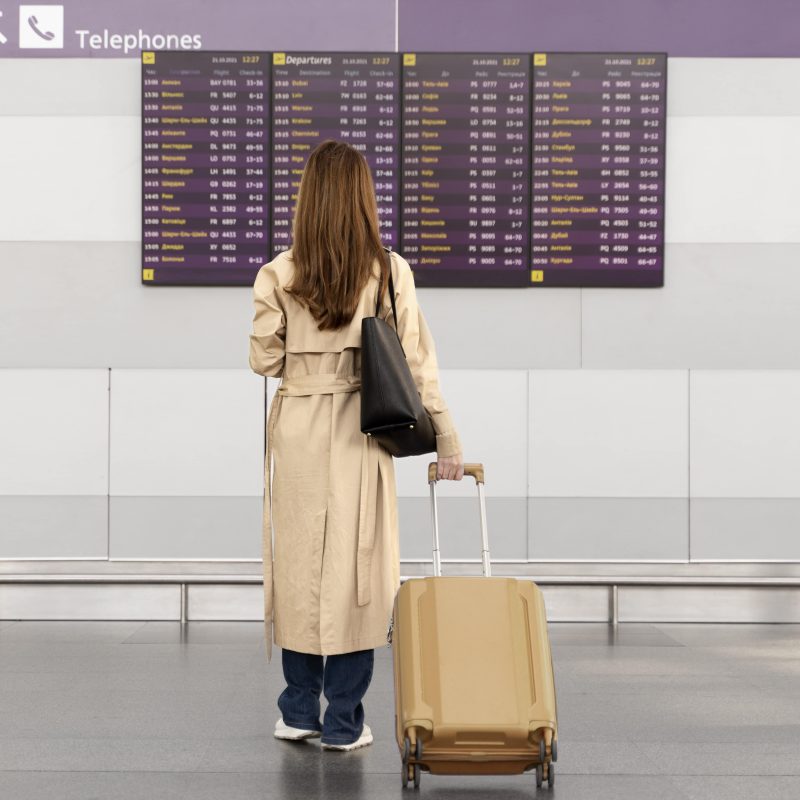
{"x":599,"y":136}
{"x":504,"y":169}
{"x":205,"y":153}
{"x":351,"y":97}
{"x":466,"y":168}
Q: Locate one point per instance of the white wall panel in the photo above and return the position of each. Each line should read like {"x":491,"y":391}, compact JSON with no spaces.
{"x":90,"y":601}
{"x":728,"y":179}
{"x":82,"y":304}
{"x":722,"y":306}
{"x":71,"y":86}
{"x":745,"y":433}
{"x":706,"y":87}
{"x":709,"y":604}
{"x":70,"y":179}
{"x":187,"y":432}
{"x":576,"y":603}
{"x":47,"y":526}
{"x":226,"y":602}
{"x":489,"y":408}
{"x":184,"y":528}
{"x":504,"y":328}
{"x":608,"y":529}
{"x":54,"y":432}
{"x":597,"y":433}
{"x":745,"y":529}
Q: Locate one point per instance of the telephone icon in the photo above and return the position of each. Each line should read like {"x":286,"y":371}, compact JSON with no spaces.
{"x":48,"y":36}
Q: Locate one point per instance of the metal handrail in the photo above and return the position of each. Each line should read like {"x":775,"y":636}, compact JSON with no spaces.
{"x":613,"y":582}
{"x":553,"y":580}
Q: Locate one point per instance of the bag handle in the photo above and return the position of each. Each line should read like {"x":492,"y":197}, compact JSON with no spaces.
{"x":477,"y":472}
{"x":473,"y":470}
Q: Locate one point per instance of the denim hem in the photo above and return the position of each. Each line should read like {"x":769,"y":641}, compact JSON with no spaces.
{"x":341,"y":739}
{"x":303,"y":726}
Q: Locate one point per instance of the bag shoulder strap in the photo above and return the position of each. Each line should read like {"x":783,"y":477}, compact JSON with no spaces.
{"x":388,"y":251}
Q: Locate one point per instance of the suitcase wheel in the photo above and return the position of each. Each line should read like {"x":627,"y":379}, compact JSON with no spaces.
{"x":554,"y":750}
{"x":411,"y":771}
{"x":417,"y":758}
{"x":545,"y":772}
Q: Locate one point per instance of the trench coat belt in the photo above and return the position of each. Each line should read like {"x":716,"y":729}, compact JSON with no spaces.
{"x":302,"y":386}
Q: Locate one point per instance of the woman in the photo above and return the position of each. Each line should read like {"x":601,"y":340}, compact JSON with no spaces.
{"x":331,"y":581}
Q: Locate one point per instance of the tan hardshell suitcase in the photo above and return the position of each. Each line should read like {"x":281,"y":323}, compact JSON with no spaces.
{"x":473,"y":673}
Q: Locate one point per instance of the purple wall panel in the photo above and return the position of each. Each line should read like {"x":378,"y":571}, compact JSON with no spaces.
{"x":230,"y":25}
{"x":723,"y":28}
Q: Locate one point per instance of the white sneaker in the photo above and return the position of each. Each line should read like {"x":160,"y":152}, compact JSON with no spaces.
{"x":284,"y":731}
{"x":362,"y":741}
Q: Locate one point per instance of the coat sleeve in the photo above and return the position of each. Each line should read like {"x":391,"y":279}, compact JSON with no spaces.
{"x":268,"y":339}
{"x":415,"y":336}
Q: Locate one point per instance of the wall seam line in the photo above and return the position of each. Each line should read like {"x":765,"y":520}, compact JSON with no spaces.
{"x":108,"y":473}
{"x":580,"y":329}
{"x":528,"y":549}
{"x":689,"y":461}
{"x":529,"y":522}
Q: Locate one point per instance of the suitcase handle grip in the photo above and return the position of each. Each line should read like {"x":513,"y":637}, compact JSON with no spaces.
{"x":477,"y":472}
{"x":473,"y":470}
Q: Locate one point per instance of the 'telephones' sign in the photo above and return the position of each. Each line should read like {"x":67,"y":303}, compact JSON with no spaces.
{"x":41,"y":27}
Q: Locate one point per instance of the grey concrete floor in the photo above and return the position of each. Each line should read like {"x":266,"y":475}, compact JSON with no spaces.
{"x":133,"y":710}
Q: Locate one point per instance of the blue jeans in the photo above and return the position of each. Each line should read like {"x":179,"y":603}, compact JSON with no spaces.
{"x":344,"y":679}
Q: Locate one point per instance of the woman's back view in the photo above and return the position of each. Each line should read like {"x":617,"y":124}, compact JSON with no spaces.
{"x":331,"y":580}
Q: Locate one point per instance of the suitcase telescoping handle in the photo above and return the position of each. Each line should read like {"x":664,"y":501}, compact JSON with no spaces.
{"x":476,"y":471}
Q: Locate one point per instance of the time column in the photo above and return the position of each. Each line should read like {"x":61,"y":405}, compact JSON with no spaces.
{"x":540,"y":166}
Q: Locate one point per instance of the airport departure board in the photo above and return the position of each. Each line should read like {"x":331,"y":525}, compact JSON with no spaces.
{"x":205,"y":152}
{"x":599,"y":137}
{"x":351,"y":97}
{"x":491,"y":169}
{"x":466,"y":171}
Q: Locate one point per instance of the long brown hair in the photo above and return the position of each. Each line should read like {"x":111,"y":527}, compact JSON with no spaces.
{"x":336,"y":236}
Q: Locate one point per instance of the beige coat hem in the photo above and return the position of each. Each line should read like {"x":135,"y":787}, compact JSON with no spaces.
{"x":352,"y":646}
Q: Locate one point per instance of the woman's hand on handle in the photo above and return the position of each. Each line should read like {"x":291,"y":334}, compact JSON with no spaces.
{"x":450,"y":468}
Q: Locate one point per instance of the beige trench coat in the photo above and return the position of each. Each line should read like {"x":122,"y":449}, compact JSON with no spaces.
{"x":331,"y":576}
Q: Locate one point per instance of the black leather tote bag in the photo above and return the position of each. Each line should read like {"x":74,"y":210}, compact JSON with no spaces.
{"x":391,"y":408}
